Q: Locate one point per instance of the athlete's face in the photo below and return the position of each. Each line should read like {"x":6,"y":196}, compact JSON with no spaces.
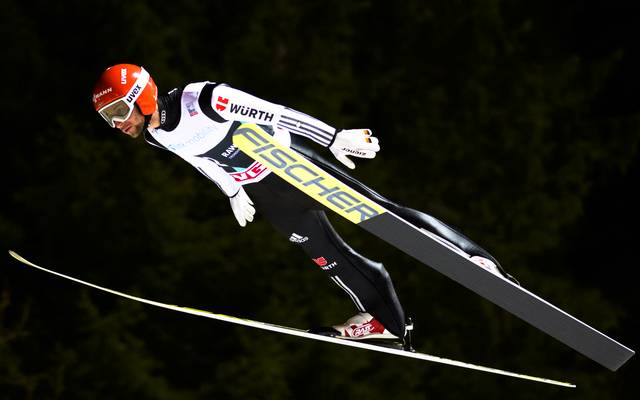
{"x":132,"y":126}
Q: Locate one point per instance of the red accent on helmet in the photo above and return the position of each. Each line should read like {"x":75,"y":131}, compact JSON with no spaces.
{"x":115,"y":82}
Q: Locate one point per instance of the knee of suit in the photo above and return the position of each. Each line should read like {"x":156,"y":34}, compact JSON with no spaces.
{"x":382,"y":271}
{"x":374,"y":269}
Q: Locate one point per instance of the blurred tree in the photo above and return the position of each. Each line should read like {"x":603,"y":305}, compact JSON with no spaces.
{"x":495,"y":116}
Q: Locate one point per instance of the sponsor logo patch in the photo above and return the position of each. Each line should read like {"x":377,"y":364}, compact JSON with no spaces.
{"x":251,"y":113}
{"x":254,"y":171}
{"x":354,"y":152}
{"x":230,"y":152}
{"x":191,"y":109}
{"x":134,"y":94}
{"x":321,"y":261}
{"x":295,"y":238}
{"x":324,"y":264}
{"x":196,"y":138}
{"x":222,"y":103}
{"x":362,"y":330}
{"x":102,"y":93}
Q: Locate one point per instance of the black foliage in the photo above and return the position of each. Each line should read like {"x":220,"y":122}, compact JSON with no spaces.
{"x":516,"y":121}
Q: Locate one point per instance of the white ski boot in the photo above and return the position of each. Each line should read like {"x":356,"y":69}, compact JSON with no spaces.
{"x":478,"y":260}
{"x":361,"y":326}
{"x":486,"y":264}
{"x":493,"y":268}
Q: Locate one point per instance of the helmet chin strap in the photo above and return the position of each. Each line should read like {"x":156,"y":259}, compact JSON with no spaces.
{"x":147,"y":121}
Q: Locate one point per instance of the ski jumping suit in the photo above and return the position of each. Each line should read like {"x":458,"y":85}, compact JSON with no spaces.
{"x":197,"y":123}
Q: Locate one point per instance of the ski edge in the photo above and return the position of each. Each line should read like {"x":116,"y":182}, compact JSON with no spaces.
{"x":298,"y":332}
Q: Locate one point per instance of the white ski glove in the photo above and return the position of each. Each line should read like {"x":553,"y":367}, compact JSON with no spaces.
{"x":242,"y":207}
{"x":354,"y":142}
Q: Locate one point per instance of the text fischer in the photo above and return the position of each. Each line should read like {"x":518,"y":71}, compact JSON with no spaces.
{"x":306,"y":176}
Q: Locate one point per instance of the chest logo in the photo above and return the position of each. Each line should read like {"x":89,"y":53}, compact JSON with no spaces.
{"x":222,"y":103}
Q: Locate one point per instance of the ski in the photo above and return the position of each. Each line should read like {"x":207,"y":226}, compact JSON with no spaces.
{"x":297,"y":332}
{"x":427,"y":248}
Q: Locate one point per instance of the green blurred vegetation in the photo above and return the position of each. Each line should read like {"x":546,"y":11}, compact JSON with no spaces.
{"x":507,"y":119}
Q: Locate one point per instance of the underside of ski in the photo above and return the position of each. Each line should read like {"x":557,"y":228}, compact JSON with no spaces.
{"x":299,"y":332}
{"x":371,"y":216}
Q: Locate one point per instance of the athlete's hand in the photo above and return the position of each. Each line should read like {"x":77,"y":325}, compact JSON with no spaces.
{"x":354,"y":142}
{"x":242,"y":207}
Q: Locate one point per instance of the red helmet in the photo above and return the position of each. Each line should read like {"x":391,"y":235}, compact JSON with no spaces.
{"x":119,"y":88}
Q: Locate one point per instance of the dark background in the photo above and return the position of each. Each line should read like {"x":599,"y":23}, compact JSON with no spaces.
{"x":516,"y":121}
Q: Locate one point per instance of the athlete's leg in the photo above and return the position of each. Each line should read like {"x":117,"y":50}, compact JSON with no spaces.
{"x":418,"y":218}
{"x":297,"y":218}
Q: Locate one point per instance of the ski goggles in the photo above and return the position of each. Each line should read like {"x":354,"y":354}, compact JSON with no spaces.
{"x":120,"y":110}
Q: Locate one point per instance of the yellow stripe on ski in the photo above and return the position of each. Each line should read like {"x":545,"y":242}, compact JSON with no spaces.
{"x":304,"y":175}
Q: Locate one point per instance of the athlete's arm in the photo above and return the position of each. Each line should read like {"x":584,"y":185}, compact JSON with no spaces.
{"x":215,"y":173}
{"x":241,"y":204}
{"x":234,"y":104}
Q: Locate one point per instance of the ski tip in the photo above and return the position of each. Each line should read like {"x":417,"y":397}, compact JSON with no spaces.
{"x":18,"y":257}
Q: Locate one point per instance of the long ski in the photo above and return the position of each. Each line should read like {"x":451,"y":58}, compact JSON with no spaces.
{"x":360,"y":210}
{"x":297,"y":332}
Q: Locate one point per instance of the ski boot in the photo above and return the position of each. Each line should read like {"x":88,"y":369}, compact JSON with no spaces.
{"x":493,"y":268}
{"x":361,"y":326}
{"x":364,"y":327}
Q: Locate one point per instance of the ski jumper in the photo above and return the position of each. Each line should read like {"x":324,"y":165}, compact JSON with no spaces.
{"x":197,"y":124}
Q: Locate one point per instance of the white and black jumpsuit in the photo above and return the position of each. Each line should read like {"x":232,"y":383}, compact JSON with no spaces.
{"x":197,"y":123}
